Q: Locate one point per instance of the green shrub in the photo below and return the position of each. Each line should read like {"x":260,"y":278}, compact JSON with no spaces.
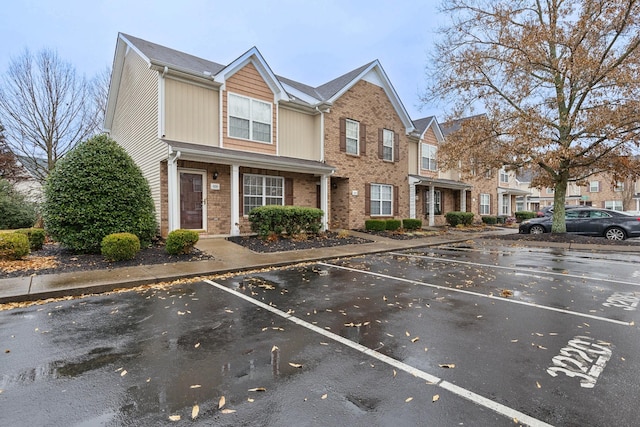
{"x":524,"y":215}
{"x":459,"y":218}
{"x":120,"y":246}
{"x":96,"y":190}
{"x":375,"y":224}
{"x":181,"y":241}
{"x":293,"y":220}
{"x":36,"y":237}
{"x":411,"y":224}
{"x":393,"y":224}
{"x":13,"y":246}
{"x":15,"y":210}
{"x":489,"y":220}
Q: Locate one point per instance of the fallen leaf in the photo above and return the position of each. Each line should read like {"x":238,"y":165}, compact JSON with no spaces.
{"x":415,"y":339}
{"x":250,"y":400}
{"x":514,"y":340}
{"x":435,"y":398}
{"x":228,"y":411}
{"x":174,"y":417}
{"x":197,"y":345}
{"x":195,"y":386}
{"x":258,"y":389}
{"x":407,"y":333}
{"x":274,"y":348}
{"x":394,"y":373}
{"x":123,"y":373}
{"x":221,"y":402}
{"x":447,"y":365}
{"x":295,"y":365}
{"x":408,"y":399}
{"x":538,"y":384}
{"x":324,"y":396}
{"x":195,"y":411}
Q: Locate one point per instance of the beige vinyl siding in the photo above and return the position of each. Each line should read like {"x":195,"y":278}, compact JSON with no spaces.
{"x":135,"y":122}
{"x":191,"y":113}
{"x":299,"y":134}
{"x":413,"y":158}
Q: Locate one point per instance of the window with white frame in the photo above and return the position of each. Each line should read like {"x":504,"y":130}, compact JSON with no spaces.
{"x":261,"y":190}
{"x":429,"y":153}
{"x":485,"y":204}
{"x":387,"y":145}
{"x":549,"y":190}
{"x":506,"y":204}
{"x":504,"y":176}
{"x":381,"y":200}
{"x":437,"y":202}
{"x":249,"y":118}
{"x":615,"y":205}
{"x":353,"y":137}
{"x":594,"y":186}
{"x":619,"y":186}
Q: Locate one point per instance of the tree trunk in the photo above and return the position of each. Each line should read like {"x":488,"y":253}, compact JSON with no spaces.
{"x":558,"y":224}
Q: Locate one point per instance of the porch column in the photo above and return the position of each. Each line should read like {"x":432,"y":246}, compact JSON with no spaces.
{"x":432,"y":195}
{"x":463,"y":200}
{"x":324,"y":201}
{"x":412,"y":200}
{"x":235,"y":200}
{"x":173,"y":208}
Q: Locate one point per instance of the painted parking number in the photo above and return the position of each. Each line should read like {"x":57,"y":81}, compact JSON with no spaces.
{"x":581,"y":358}
{"x":625,"y":300}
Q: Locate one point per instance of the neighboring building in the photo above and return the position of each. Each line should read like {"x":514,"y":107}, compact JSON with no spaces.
{"x":30,"y":186}
{"x":216,"y":140}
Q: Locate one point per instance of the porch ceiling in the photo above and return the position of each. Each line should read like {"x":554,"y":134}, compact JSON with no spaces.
{"x":203,"y":153}
{"x":441,"y":183}
{"x":513,"y":191}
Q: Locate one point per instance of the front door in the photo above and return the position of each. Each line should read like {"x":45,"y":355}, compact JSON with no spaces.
{"x":192,"y":200}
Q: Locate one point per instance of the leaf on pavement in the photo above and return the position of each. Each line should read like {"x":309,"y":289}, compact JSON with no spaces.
{"x":174,"y":417}
{"x":258,"y":389}
{"x":195,"y":411}
{"x":295,"y":365}
{"x":447,"y":365}
{"x":195,"y":386}
{"x":324,"y":396}
{"x":435,"y":398}
{"x":415,"y":339}
{"x":228,"y":411}
{"x":221,"y":402}
{"x":408,"y":399}
{"x":538,"y":384}
{"x":123,"y":373}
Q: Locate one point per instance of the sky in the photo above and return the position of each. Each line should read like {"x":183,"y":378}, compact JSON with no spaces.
{"x":312,"y":41}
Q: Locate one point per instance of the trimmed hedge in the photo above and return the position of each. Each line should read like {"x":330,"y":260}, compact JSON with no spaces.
{"x":524,"y":215}
{"x":454,"y":218}
{"x":13,"y":246}
{"x":491,"y":220}
{"x":36,"y":237}
{"x":120,"y":246}
{"x":293,"y":220}
{"x":181,"y":241}
{"x":375,"y":225}
{"x":393,"y":224}
{"x":411,"y":224}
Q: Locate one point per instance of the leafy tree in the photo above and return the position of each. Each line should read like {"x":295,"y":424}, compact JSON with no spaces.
{"x":46,"y":108}
{"x":558,"y":81}
{"x":15,"y":210}
{"x":94,"y":191}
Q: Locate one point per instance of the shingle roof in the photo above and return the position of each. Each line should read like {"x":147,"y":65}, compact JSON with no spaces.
{"x":421,"y":124}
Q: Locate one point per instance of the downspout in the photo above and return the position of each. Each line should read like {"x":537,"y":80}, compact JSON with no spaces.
{"x":161,"y":102}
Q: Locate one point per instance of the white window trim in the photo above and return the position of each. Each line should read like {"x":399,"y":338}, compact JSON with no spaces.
{"x":357,"y":138}
{"x":426,"y":151}
{"x":386,"y":133}
{"x":594,"y":186}
{"x":613,"y":204}
{"x":264,"y":196}
{"x":381,"y":200}
{"x":504,"y":176}
{"x":488,"y":204}
{"x":251,"y":119}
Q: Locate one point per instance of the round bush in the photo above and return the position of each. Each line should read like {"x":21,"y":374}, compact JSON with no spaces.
{"x":13,"y":246}
{"x":411,"y":224}
{"x":393,"y":224}
{"x":94,"y":191}
{"x":36,"y":237}
{"x":181,"y":241}
{"x":120,"y":246}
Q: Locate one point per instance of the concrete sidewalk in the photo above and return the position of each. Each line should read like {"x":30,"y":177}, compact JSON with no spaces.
{"x":229,"y":257}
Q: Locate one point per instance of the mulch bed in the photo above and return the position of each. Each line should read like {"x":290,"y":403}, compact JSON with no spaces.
{"x":283,"y":244}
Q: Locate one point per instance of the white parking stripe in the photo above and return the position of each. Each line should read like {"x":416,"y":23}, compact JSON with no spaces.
{"x":438,"y":382}
{"x":475,"y":294}
{"x":502,"y":267}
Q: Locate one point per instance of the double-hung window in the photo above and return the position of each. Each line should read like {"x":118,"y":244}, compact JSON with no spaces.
{"x":615,"y":205}
{"x":387,"y":145}
{"x":485,"y":204}
{"x":594,"y":186}
{"x":261,"y":190}
{"x":437,"y":202}
{"x":381,"y":200}
{"x":429,"y":157}
{"x":249,"y":118}
{"x":504,"y":176}
{"x":353,"y":137}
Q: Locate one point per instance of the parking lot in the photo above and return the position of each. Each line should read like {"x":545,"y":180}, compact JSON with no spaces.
{"x":466,"y":334}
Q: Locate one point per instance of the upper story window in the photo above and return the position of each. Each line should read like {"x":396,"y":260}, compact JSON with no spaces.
{"x":249,"y":118}
{"x":353,"y":137}
{"x":549,"y":190}
{"x":429,"y":157}
{"x":387,"y":144}
{"x":504,"y":176}
{"x":594,"y":186}
{"x":619,"y":186}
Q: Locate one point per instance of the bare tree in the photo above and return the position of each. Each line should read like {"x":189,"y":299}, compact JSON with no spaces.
{"x":558,"y":81}
{"x":99,"y":89}
{"x":46,"y":109}
{"x":9,"y":168}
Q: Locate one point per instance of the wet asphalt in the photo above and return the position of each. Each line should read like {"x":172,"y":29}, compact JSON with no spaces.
{"x":465,"y":334}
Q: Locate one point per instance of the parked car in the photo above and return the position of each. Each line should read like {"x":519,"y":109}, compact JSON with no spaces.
{"x":548,"y":210}
{"x":611,"y":224}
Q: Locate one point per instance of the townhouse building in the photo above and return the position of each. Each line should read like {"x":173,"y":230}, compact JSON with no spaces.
{"x":216,"y":140}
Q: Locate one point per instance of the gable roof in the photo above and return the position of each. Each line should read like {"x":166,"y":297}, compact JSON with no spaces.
{"x":454,"y":125}
{"x":426,"y":123}
{"x":163,"y":59}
